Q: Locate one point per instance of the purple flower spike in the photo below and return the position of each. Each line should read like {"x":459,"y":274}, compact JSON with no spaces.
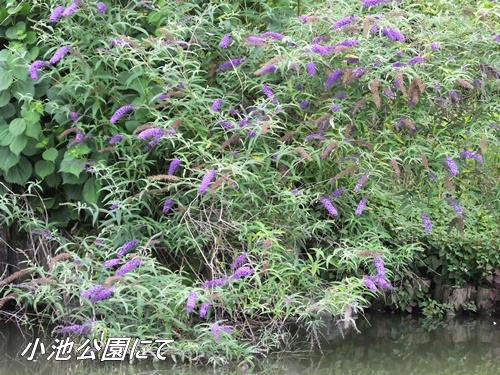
{"x":191,"y":302}
{"x":371,"y":3}
{"x":379,"y":265}
{"x":35,"y":67}
{"x":268,"y":69}
{"x":120,"y":112}
{"x":415,"y":60}
{"x":255,"y":40}
{"x":71,"y":9}
{"x":224,"y":42}
{"x":451,"y":166}
{"x":205,"y":181}
{"x":204,"y":309}
{"x":126,"y":247}
{"x":361,"y":206}
{"x":59,"y":54}
{"x":311,"y":69}
{"x":329,"y":206}
{"x":435,"y":46}
{"x":268,"y":92}
{"x":215,"y":329}
{"x":272,"y":35}
{"x":112,"y":263}
{"x":56,"y":13}
{"x":393,"y":34}
{"x":303,"y":104}
{"x":318,"y":48}
{"x":362,"y":180}
{"x":334,"y":108}
{"x":216,"y":105}
{"x":472,"y":155}
{"x":215,"y":282}
{"x":103,"y":294}
{"x":101,"y":8}
{"x":343,"y":22}
{"x":91,"y":291}
{"x":229,"y":64}
{"x":358,"y":72}
{"x":167,"y":205}
{"x":426,"y":220}
{"x":332,"y":78}
{"x":240,"y":259}
{"x":174,"y":164}
{"x":241,"y":272}
{"x":369,"y":284}
{"x":337,"y":193}
{"x":117,"y":138}
{"x":129,"y":266}
{"x":77,"y":328}
{"x":226,"y":124}
{"x":456,"y":207}
{"x":454,"y":95}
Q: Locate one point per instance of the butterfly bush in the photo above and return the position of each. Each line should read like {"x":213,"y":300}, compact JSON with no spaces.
{"x":103,"y":294}
{"x":230,"y":64}
{"x":329,"y":206}
{"x":205,"y":181}
{"x":191,"y":302}
{"x":129,"y":266}
{"x":427,"y":223}
{"x":120,"y":112}
{"x":57,"y":13}
{"x":126,"y":247}
{"x":59,"y":54}
{"x":35,"y":67}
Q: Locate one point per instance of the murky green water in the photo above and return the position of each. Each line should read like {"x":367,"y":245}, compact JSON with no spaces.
{"x":389,"y":346}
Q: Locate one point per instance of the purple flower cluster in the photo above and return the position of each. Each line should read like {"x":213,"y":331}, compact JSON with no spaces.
{"x":311,"y":69}
{"x":35,"y":67}
{"x":167,"y":205}
{"x":334,"y":108}
{"x":154,"y":133}
{"x":337,"y":192}
{"x":451,"y":166}
{"x":191,"y":302}
{"x":454,"y":95}
{"x":71,"y":9}
{"x":129,"y":266}
{"x":348,"y":43}
{"x":229,"y":64}
{"x":426,"y":220}
{"x":255,"y":40}
{"x":332,"y":78}
{"x":456,"y":207}
{"x":241,"y":272}
{"x":362,"y":180}
{"x":58,"y":55}
{"x":472,"y":155}
{"x":74,"y":116}
{"x":204,"y":309}
{"x":303,"y":104}
{"x":91,"y":291}
{"x":226,"y":124}
{"x":216,"y":105}
{"x":126,"y":247}
{"x":112,"y":263}
{"x":215,"y":282}
{"x":117,"y":138}
{"x":120,"y":112}
{"x":415,"y":60}
{"x":435,"y":46}
{"x":205,"y":181}
{"x":268,"y":92}
{"x":314,"y":136}
{"x":361,"y":206}
{"x":56,"y":13}
{"x":266,"y":70}
{"x":318,"y":48}
{"x":272,"y":35}
{"x":77,"y":328}
{"x":371,"y":3}
{"x":379,"y":279}
{"x":174,"y":164}
{"x":104,"y":293}
{"x":239,"y":260}
{"x":343,"y":22}
{"x":329,"y":206}
{"x":358,"y":72}
{"x":393,"y":34}
{"x":225,"y":40}
{"x":216,"y":330}
{"x":101,"y":8}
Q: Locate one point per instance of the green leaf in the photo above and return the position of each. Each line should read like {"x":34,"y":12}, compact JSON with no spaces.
{"x":5,"y":136}
{"x":91,"y":190}
{"x":17,"y":126}
{"x":4,"y":97}
{"x":33,"y":130}
{"x":50,"y":154}
{"x":8,"y":111}
{"x":18,"y":144}
{"x":44,"y":168}
{"x":7,"y":159}
{"x":20,"y":173}
{"x":24,"y":86}
{"x":5,"y":77}
{"x":70,"y":165}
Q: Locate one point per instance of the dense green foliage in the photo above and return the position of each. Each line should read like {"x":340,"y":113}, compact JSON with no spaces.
{"x":389,"y":130}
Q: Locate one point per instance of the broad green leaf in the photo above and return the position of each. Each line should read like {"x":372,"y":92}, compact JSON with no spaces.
{"x":50,"y":154}
{"x":18,"y":144}
{"x":4,"y":97}
{"x":44,"y":168}
{"x":91,"y":190}
{"x":71,"y":166}
{"x":33,"y":130}
{"x":8,"y":111}
{"x":24,"y":86}
{"x":17,"y":126}
{"x":7,"y":159}
{"x":5,"y":77}
{"x":20,"y":173}
{"x":5,"y":135}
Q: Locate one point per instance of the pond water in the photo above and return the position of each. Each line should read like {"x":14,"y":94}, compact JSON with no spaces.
{"x":387,"y":345}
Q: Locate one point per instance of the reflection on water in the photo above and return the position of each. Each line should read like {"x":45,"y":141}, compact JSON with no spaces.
{"x":386,"y":346}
